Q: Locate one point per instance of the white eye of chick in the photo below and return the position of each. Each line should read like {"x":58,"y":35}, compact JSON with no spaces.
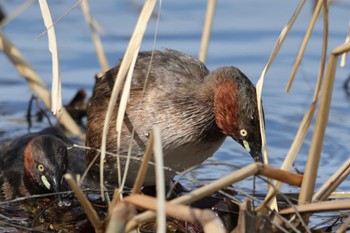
{"x":243,"y":132}
{"x":41,"y":168}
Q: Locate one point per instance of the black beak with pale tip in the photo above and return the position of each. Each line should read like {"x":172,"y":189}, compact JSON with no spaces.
{"x":255,"y":152}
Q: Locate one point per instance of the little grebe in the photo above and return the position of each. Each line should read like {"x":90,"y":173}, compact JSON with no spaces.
{"x":195,"y":110}
{"x":32,"y":164}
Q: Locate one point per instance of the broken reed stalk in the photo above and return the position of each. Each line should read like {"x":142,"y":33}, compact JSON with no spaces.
{"x":207,"y":218}
{"x":94,"y":35}
{"x":240,"y":174}
{"x":208,"y":23}
{"x":35,"y":82}
{"x":321,"y":206}
{"x":272,"y":203}
{"x":56,"y":89}
{"x":304,"y":44}
{"x":133,"y":47}
{"x":89,"y":210}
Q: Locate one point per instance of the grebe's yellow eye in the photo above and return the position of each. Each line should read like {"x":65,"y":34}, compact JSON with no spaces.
{"x":243,"y":132}
{"x":41,"y":168}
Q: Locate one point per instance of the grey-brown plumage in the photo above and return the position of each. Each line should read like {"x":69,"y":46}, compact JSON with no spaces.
{"x":195,"y":110}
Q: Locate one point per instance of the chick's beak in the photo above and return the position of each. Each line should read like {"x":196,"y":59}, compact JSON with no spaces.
{"x":55,"y":184}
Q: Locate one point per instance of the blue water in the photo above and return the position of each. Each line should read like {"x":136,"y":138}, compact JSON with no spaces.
{"x":244,"y":33}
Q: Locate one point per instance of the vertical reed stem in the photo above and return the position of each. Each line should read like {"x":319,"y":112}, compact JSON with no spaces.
{"x":208,"y":23}
{"x":304,"y":44}
{"x":308,"y":185}
{"x":94,"y":35}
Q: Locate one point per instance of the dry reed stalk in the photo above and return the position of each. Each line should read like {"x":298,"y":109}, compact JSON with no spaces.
{"x":127,"y":163}
{"x":324,"y":50}
{"x":283,"y":35}
{"x":123,"y":102}
{"x":56,"y":90}
{"x":307,"y":187}
{"x":61,"y":17}
{"x":94,"y":35}
{"x":306,"y":121}
{"x":160,"y":187}
{"x":341,"y":49}
{"x":304,"y":44}
{"x":318,"y":207}
{"x":144,"y":165}
{"x":207,"y":218}
{"x":344,"y":56}
{"x":112,"y":216}
{"x":120,"y":214}
{"x":133,"y":47}
{"x":240,"y":174}
{"x":24,"y":6}
{"x":208,"y":23}
{"x":115,"y":200}
{"x":89,"y":210}
{"x":333,"y":182}
{"x":338,"y":195}
{"x":34,"y":81}
{"x":282,"y":176}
